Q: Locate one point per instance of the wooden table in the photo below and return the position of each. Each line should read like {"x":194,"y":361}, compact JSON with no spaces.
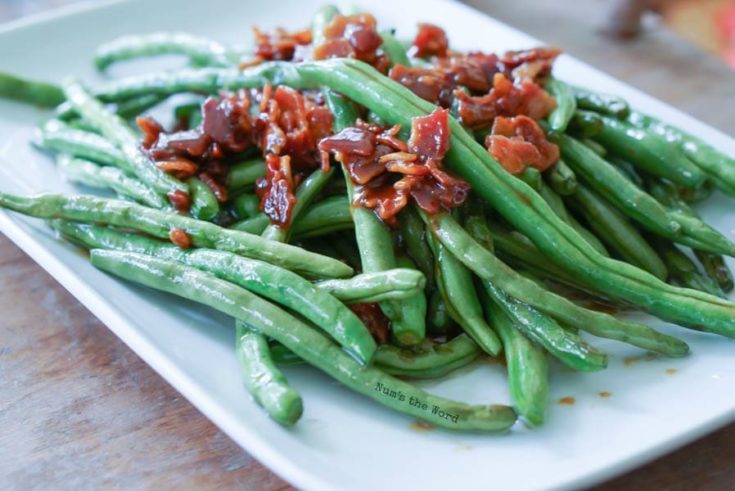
{"x":78,"y":409}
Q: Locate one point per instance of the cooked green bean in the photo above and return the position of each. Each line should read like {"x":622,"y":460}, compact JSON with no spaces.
{"x":562,"y":178}
{"x":202,"y":51}
{"x":204,"y":205}
{"x":601,"y":103}
{"x":115,"y":129}
{"x":160,"y":224}
{"x":528,"y":368}
{"x":716,"y":268}
{"x":430,"y":360}
{"x":437,"y":315}
{"x":245,"y":173}
{"x":617,"y":232}
{"x":532,"y":177}
{"x":61,"y":138}
{"x":683,"y":271}
{"x":489,"y":268}
{"x":460,"y":297}
{"x":565,"y":104}
{"x":30,"y":91}
{"x":265,"y":382}
{"x":413,"y":234}
{"x":305,"y":342}
{"x":393,"y":284}
{"x":245,"y":206}
{"x":607,"y":180}
{"x":594,"y":146}
{"x":272,"y":282}
{"x":92,"y":175}
{"x":394,"y":49}
{"x":134,"y":107}
{"x":648,"y":151}
{"x":720,"y":167}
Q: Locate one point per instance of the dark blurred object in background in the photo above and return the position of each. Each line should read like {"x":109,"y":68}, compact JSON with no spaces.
{"x":709,"y":24}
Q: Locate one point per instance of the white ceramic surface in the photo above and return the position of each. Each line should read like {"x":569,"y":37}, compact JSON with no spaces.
{"x":345,"y":441}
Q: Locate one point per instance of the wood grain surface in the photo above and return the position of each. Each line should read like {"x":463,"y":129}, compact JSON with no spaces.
{"x":79,"y":410}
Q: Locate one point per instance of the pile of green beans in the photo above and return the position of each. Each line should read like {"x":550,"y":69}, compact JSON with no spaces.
{"x":612,"y":219}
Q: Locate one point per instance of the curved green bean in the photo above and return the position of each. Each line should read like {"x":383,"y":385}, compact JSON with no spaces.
{"x":61,"y":138}
{"x":265,"y":382}
{"x":392,"y":284}
{"x":430,"y":360}
{"x":204,"y":205}
{"x":601,"y":103}
{"x":245,"y":173}
{"x":565,"y":104}
{"x":160,"y":223}
{"x":683,"y":271}
{"x":305,"y":342}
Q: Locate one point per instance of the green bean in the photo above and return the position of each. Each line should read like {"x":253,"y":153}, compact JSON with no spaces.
{"x":134,"y":107}
{"x":601,"y":103}
{"x":40,"y":94}
{"x":413,"y":309}
{"x":489,"y":268}
{"x":565,"y":104}
{"x":61,"y":138}
{"x":648,"y":151}
{"x":438,"y":317}
{"x":716,"y":164}
{"x":460,"y":297}
{"x":431,"y":360}
{"x":594,"y":146}
{"x":562,"y":178}
{"x":587,"y":124}
{"x":408,"y":323}
{"x":305,"y":194}
{"x":204,"y":205}
{"x":245,"y":206}
{"x":305,"y":342}
{"x":616,"y":232}
{"x":557,"y":206}
{"x":628,"y":170}
{"x":528,"y":369}
{"x":160,"y":223}
{"x":245,"y":173}
{"x":202,"y":51}
{"x":346,"y":246}
{"x":253,"y":225}
{"x":276,"y":284}
{"x":394,"y":49}
{"x":683,"y":271}
{"x":532,"y":177}
{"x":393,"y":284}
{"x":115,"y":129}
{"x":265,"y":382}
{"x":283,"y":356}
{"x":511,"y":198}
{"x":414,"y":240}
{"x":608,"y":181}
{"x":716,"y":268}
{"x":92,"y":175}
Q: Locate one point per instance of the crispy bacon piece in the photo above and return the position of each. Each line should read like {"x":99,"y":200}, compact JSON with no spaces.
{"x":275,"y":190}
{"x":219,"y":190}
{"x":428,"y":83}
{"x":519,"y":142}
{"x":474,"y":70}
{"x":505,"y":99}
{"x":280,"y":44}
{"x":180,"y":238}
{"x":374,"y":319}
{"x":180,"y":168}
{"x":352,"y":36}
{"x":150,"y":128}
{"x":529,"y":64}
{"x":389,"y":172}
{"x":430,"y":40}
{"x":180,"y":201}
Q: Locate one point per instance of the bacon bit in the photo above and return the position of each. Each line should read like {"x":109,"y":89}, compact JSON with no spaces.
{"x":280,"y":44}
{"x":505,"y":99}
{"x":180,"y":238}
{"x":374,"y":319}
{"x":389,"y":176}
{"x":150,"y":129}
{"x":428,"y":83}
{"x":275,"y":190}
{"x":474,"y":70}
{"x":254,"y":61}
{"x":430,"y":40}
{"x":220,"y":192}
{"x":180,"y":168}
{"x":352,"y":36}
{"x":180,"y":201}
{"x":519,"y":142}
{"x":529,"y":64}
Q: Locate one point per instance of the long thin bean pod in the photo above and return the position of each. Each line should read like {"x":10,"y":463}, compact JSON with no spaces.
{"x":683,"y":271}
{"x":92,"y":175}
{"x":265,"y":382}
{"x":528,"y":368}
{"x":30,"y":91}
{"x":245,"y":173}
{"x":204,"y":205}
{"x":305,"y":342}
{"x":562,"y":179}
{"x":601,"y":103}
{"x":272,"y":282}
{"x":565,"y":104}
{"x":160,"y":224}
{"x":413,"y":234}
{"x":430,"y":360}
{"x":61,"y":138}
{"x":393,"y":284}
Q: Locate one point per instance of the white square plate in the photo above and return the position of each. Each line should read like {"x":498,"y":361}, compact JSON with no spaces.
{"x":345,"y":440}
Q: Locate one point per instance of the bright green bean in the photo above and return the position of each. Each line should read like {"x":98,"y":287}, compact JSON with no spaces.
{"x":393,"y":284}
{"x":430,"y":360}
{"x":30,"y":91}
{"x":245,"y":173}
{"x":565,"y":104}
{"x":562,"y":179}
{"x":61,"y":138}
